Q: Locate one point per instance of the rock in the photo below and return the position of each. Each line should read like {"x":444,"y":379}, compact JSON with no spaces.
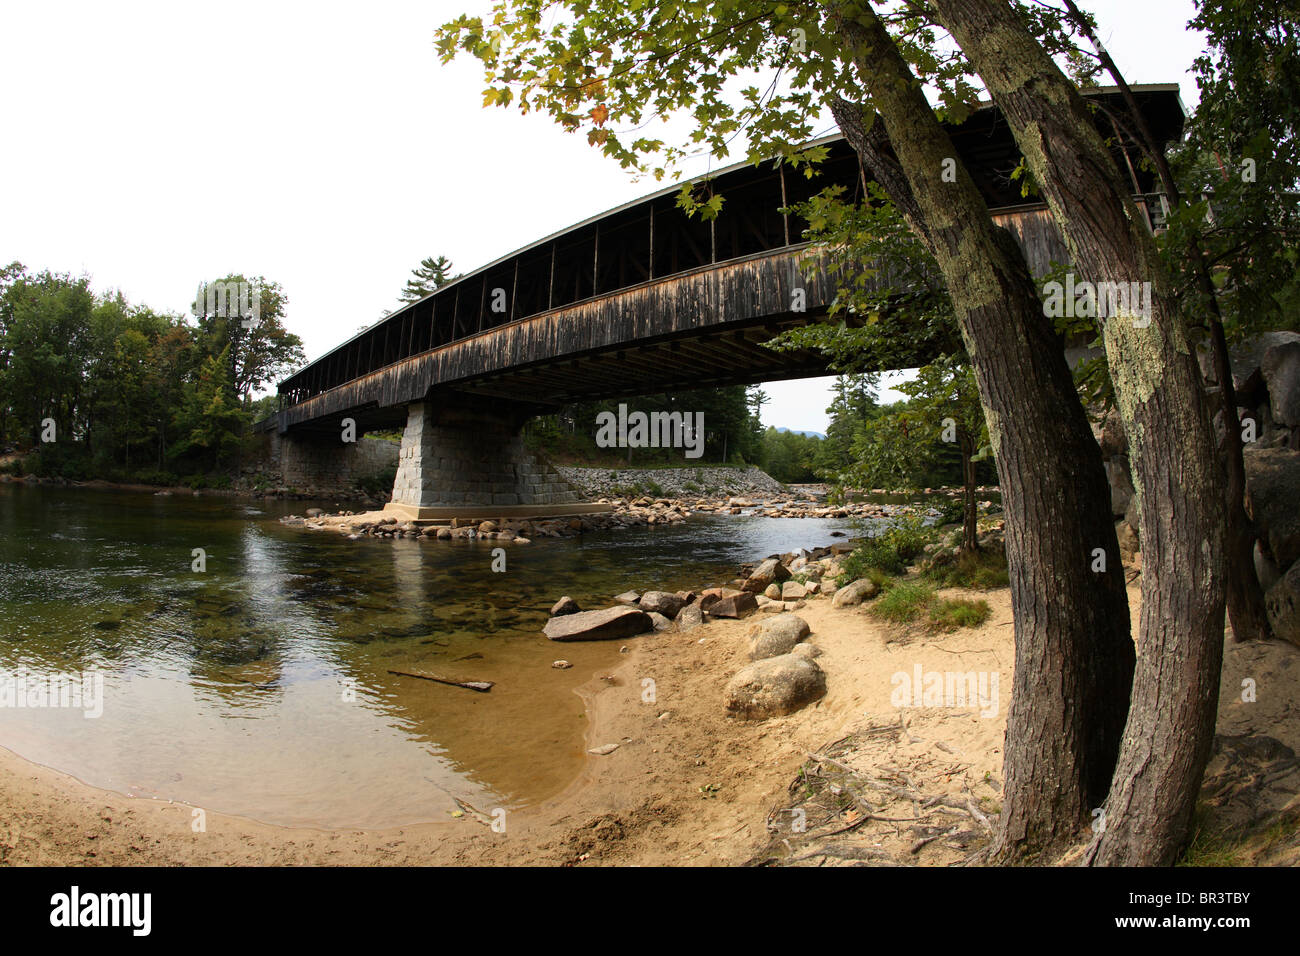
{"x":772,"y":592}
{"x":610,"y":623}
{"x":315,"y":512}
{"x":730,"y":603}
{"x":1265,"y":570}
{"x":627,"y":597}
{"x":771,"y":571}
{"x":565,"y":605}
{"x":807,"y":651}
{"x":603,"y":750}
{"x":775,"y":686}
{"x":690,"y":616}
{"x":444,"y":533}
{"x":487,"y":527}
{"x":793,"y":591}
{"x":1121,"y":485}
{"x":863,"y":589}
{"x":1281,"y":369}
{"x":661,"y":602}
{"x":1282,"y":603}
{"x":1272,"y":491}
{"x":1128,"y":538}
{"x":660,"y":622}
{"x":561,"y":665}
{"x":776,"y":636}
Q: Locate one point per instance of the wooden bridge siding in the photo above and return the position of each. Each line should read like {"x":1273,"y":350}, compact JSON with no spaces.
{"x":741,"y":292}
{"x":731,"y":294}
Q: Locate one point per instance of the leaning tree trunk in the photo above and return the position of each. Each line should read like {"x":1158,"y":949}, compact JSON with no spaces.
{"x":1246,"y":608}
{"x":1074,"y":653}
{"x":970,"y":529}
{"x":1158,"y":387}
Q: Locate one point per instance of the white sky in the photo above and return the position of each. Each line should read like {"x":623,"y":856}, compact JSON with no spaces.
{"x":156,"y":145}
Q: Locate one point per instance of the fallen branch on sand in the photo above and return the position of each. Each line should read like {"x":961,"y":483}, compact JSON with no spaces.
{"x":482,"y":686}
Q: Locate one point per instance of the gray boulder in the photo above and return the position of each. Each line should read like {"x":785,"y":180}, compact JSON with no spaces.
{"x":728,"y":602}
{"x":690,"y":616}
{"x":660,"y":622}
{"x":808,"y":651}
{"x":609,"y":624}
{"x":863,"y":589}
{"x":565,"y":605}
{"x":1282,"y":603}
{"x":775,"y":686}
{"x":771,"y":571}
{"x":776,"y":636}
{"x":627,"y":597}
{"x":793,"y":591}
{"x":662,"y":602}
{"x":1272,"y":491}
{"x":1281,"y":369}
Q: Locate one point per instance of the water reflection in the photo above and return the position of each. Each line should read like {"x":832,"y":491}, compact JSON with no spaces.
{"x":262,"y":686}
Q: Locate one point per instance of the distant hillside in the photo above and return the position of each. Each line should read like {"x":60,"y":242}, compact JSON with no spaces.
{"x":799,"y":432}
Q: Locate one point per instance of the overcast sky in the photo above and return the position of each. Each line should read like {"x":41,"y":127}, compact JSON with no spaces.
{"x":156,"y":145}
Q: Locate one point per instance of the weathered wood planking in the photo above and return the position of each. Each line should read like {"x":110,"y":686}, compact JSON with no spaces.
{"x":738,"y":294}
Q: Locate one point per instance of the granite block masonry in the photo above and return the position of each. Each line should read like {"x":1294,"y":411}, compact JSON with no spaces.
{"x":460,"y":457}
{"x":325,"y":465}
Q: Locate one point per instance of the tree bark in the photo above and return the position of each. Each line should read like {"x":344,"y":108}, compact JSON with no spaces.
{"x":1161,"y":400}
{"x":1074,"y":653}
{"x":1246,"y":608}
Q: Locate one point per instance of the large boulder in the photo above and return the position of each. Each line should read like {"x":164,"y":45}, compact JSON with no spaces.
{"x":793,"y":591}
{"x":775,"y":686}
{"x":863,"y":589}
{"x":690,"y":616}
{"x":662,"y":602}
{"x":776,"y":636}
{"x":728,"y":602}
{"x":1272,"y":491}
{"x":1282,"y":603}
{"x":611,"y":623}
{"x":1281,"y":369}
{"x":771,"y":571}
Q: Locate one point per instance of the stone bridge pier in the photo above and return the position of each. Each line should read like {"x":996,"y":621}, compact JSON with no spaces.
{"x":465,"y":458}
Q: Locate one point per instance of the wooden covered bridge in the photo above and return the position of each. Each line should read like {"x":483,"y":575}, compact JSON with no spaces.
{"x":637,"y":300}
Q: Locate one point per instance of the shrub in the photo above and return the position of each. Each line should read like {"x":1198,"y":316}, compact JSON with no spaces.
{"x":948,"y":614}
{"x":889,"y":550}
{"x":977,"y":571}
{"x":903,"y":602}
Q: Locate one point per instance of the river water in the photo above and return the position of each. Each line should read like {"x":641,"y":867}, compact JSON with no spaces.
{"x":261,"y":686}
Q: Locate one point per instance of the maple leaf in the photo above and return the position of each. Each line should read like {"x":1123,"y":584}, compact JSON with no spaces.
{"x":599,"y":114}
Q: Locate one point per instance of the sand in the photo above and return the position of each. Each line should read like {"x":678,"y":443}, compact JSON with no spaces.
{"x":687,"y":785}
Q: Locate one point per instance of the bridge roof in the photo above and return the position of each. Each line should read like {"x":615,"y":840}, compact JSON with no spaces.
{"x":984,"y":141}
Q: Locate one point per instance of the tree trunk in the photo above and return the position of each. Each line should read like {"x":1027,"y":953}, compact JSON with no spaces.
{"x":1158,"y":388}
{"x":1246,"y":608}
{"x":970,"y":529}
{"x":1074,"y":653}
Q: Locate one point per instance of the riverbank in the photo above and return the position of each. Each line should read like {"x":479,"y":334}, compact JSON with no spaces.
{"x":688,"y":784}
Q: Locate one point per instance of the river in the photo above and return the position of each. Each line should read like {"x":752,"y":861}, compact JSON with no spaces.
{"x":260,"y":686}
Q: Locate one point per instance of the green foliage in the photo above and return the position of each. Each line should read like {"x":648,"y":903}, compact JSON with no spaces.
{"x":904,"y":602}
{"x":732,"y":433}
{"x":429,"y":275}
{"x":135,"y":395}
{"x":910,"y":602}
{"x":889,"y":550}
{"x":982,"y":570}
{"x":948,"y":614}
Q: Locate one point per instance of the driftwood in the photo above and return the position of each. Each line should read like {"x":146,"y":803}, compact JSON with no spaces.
{"x":482,"y":686}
